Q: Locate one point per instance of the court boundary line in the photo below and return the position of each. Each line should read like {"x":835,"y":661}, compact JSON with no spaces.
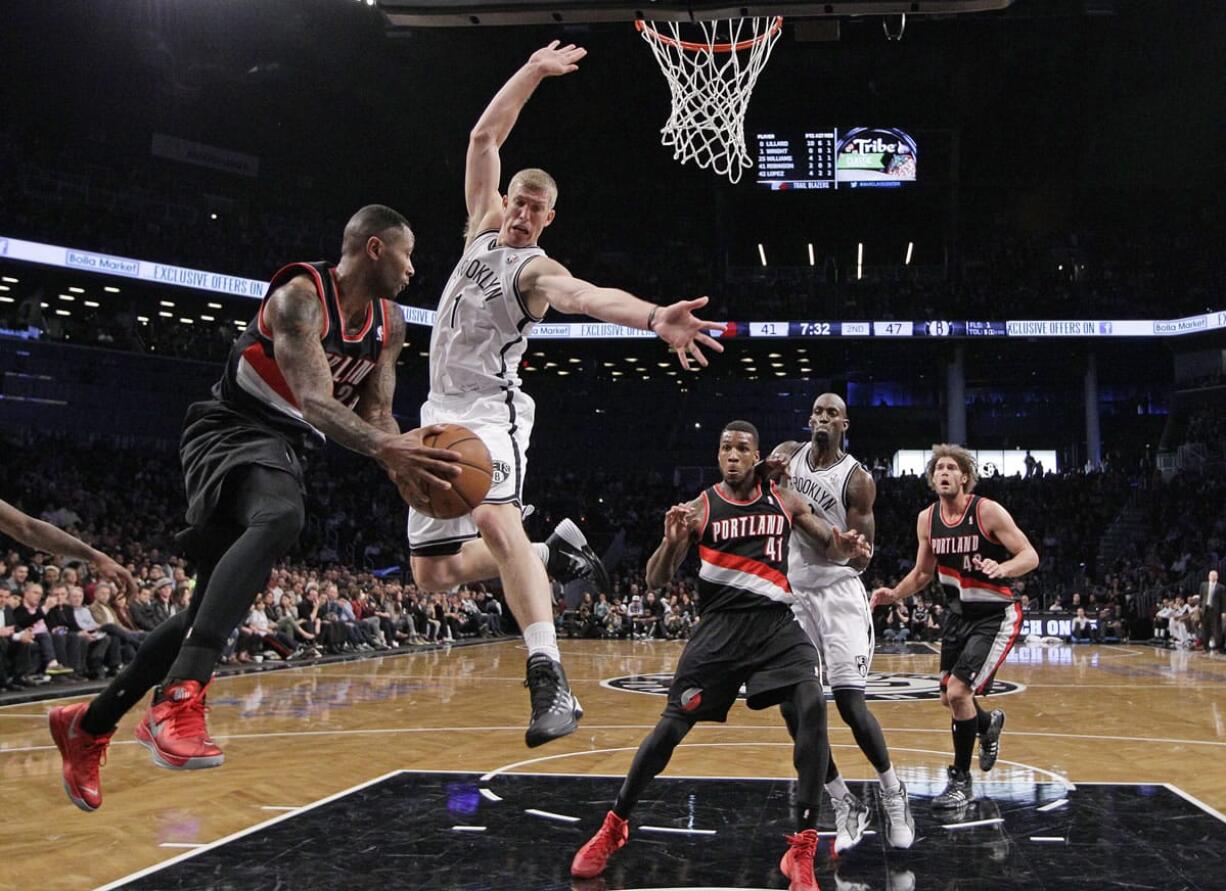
{"x":234,"y":836}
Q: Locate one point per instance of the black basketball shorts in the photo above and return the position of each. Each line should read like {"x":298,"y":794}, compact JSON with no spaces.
{"x":765,"y":650}
{"x":973,"y":649}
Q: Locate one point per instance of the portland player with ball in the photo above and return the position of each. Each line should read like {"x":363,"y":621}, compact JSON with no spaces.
{"x":318,"y":361}
{"x":502,"y":285}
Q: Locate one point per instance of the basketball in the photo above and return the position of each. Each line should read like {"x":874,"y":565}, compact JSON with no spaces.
{"x":469,"y":488}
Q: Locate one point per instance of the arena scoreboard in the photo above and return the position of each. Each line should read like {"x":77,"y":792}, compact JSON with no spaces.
{"x":858,"y":158}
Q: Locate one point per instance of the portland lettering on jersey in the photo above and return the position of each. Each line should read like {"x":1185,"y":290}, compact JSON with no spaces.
{"x":753,"y":525}
{"x":956,"y":544}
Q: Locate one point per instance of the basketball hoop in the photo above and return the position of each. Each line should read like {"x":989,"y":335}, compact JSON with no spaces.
{"x":711,"y":81}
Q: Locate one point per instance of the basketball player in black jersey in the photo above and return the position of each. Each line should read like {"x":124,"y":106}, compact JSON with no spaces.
{"x":972,"y":545}
{"x":318,"y":360}
{"x":747,"y":635}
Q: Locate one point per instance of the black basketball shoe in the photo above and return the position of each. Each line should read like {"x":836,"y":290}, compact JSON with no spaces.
{"x":957,"y":794}
{"x":555,"y":710}
{"x":989,"y":740}
{"x":570,"y":558}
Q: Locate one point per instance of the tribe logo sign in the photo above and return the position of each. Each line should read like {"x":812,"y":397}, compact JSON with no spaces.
{"x":891,"y":686}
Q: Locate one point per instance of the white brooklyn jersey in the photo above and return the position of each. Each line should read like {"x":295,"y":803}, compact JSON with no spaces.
{"x":826,"y":491}
{"x":483,"y":322}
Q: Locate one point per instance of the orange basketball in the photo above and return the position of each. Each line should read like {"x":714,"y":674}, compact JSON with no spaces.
{"x":470,"y":487}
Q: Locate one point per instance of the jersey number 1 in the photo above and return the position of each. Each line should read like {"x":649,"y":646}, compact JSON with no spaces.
{"x":774,"y":548}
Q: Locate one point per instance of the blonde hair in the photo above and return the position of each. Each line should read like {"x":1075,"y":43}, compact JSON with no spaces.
{"x":536,"y":180}
{"x":966,"y":463}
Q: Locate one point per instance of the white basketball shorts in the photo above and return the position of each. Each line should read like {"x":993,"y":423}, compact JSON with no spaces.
{"x":837,"y":620}
{"x":504,"y":423}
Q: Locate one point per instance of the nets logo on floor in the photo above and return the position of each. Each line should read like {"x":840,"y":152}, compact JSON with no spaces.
{"x":893,"y":686}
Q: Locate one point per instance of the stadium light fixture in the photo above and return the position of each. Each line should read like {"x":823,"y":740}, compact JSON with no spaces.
{"x":214,"y":306}
{"x":563,"y":372}
{"x":574,"y":360}
{"x":9,"y":279}
{"x":67,"y":297}
{"x":144,"y":320}
{"x":92,"y":304}
{"x":186,"y":321}
{"x":205,"y":318}
{"x":7,"y":300}
{"x":910,"y":248}
{"x":62,"y":312}
{"x":811,"y":263}
{"x":76,"y":290}
{"x":859,"y":260}
{"x":761,"y":253}
{"x":169,"y":303}
{"x":166,"y":315}
{"x":111,"y":290}
{"x":5,"y":288}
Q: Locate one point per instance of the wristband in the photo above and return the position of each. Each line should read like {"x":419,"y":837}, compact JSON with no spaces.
{"x":651,"y":318}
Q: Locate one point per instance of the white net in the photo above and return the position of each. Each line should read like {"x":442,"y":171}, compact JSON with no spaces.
{"x":711,"y":76}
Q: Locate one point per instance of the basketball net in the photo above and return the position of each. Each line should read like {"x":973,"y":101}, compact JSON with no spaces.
{"x":711,"y":80}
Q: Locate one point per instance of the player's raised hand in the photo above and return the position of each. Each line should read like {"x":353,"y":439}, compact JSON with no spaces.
{"x":554,"y":60}
{"x":881,"y":597}
{"x":990,"y":568}
{"x":683,"y":331}
{"x":677,"y":523}
{"x":411,"y":464}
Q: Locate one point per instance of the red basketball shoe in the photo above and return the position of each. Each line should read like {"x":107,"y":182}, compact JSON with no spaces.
{"x":797,"y":863}
{"x":82,"y":752}
{"x":590,"y":861}
{"x":174,"y":732}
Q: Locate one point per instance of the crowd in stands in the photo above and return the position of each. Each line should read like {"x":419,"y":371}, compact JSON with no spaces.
{"x":346,"y":586}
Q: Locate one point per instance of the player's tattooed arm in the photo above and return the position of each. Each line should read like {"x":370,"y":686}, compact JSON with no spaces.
{"x":921,"y":575}
{"x":836,"y":545}
{"x":375,"y":398}
{"x":682,"y":526}
{"x":861,"y":496}
{"x":997,"y":524}
{"x":296,"y":318}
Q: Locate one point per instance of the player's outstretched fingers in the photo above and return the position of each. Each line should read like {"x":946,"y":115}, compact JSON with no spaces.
{"x":697,"y":353}
{"x":708,"y":341}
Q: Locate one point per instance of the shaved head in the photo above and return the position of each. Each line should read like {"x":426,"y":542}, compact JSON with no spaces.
{"x":373,"y":220}
{"x":829,"y":423}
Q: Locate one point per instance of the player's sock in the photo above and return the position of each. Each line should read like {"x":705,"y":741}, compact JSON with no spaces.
{"x":541,"y":550}
{"x":837,"y":788}
{"x":965,"y":732}
{"x":542,"y":637}
{"x":806,"y":816}
{"x":889,"y":779}
{"x":984,"y":719}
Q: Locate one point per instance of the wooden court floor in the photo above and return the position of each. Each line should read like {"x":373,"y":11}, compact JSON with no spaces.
{"x":1127,"y":714}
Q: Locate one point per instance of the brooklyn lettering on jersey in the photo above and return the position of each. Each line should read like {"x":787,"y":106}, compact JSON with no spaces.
{"x":747,"y":527}
{"x":814,"y":491}
{"x":484,"y":278}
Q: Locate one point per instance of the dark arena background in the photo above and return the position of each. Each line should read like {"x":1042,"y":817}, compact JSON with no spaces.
{"x":1020,"y":252}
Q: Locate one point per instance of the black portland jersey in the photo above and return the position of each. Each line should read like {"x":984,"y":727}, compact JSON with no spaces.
{"x":744,"y":552}
{"x":955,"y":547}
{"x":253,"y":383}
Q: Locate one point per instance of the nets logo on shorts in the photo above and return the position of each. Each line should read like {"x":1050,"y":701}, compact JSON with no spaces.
{"x":501,"y":471}
{"x":881,"y":686}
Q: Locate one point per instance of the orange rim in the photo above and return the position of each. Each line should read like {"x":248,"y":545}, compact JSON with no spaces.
{"x":645,"y":28}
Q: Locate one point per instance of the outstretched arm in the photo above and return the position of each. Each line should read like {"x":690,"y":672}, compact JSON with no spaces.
{"x":42,"y":535}
{"x":484,"y":166}
{"x":919,"y":577}
{"x":545,"y":283}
